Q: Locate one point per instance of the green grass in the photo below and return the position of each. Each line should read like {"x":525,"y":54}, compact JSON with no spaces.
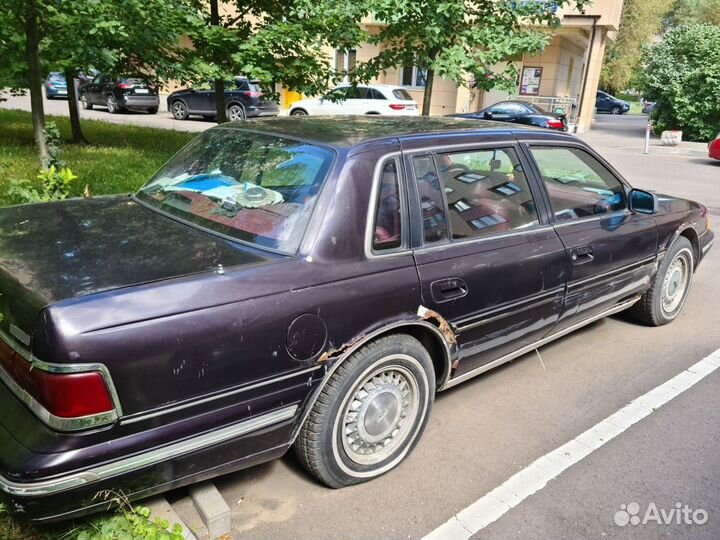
{"x":119,"y":158}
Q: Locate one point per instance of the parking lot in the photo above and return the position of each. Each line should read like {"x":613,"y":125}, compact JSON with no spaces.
{"x":490,"y":428}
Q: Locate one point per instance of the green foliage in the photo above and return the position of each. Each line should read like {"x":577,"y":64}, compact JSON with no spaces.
{"x":641,"y":20}
{"x":121,"y":159}
{"x":693,"y":12}
{"x":129,"y":523}
{"x":683,"y":76}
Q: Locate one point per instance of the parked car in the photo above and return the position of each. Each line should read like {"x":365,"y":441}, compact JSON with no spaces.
{"x":119,"y":93}
{"x":714,"y":147}
{"x":243,"y":99}
{"x":604,"y":102}
{"x":55,"y":85}
{"x":520,"y":112}
{"x":308,"y":284}
{"x":360,"y":99}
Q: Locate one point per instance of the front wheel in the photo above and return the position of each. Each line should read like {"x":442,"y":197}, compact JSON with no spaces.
{"x":85,"y":102}
{"x":112,"y":105}
{"x":665,"y":298}
{"x":298,"y":112}
{"x":370,"y":414}
{"x":179,"y":110}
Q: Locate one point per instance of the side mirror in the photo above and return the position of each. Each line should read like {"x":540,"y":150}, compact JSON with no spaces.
{"x":488,"y":115}
{"x":643,"y":202}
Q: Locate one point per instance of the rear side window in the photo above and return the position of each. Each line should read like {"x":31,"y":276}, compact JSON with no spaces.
{"x":431,"y":200}
{"x":577,"y":183}
{"x":388,"y":218}
{"x":487,"y":192}
{"x":401,"y":93}
{"x":376,"y":94}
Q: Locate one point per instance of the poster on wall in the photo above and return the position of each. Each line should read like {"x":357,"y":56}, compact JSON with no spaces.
{"x":530,"y":81}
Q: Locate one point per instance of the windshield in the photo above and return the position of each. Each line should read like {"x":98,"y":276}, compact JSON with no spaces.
{"x":257,"y":188}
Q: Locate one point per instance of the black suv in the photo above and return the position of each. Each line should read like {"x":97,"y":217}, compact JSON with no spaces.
{"x":243,"y":99}
{"x":120,"y":92}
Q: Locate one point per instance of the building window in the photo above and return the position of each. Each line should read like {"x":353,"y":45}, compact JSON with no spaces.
{"x":413,"y":77}
{"x":345,"y":61}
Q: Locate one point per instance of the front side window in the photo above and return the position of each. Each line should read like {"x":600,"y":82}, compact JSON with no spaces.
{"x":388,"y":222}
{"x":577,"y":183}
{"x":257,"y":188}
{"x":487,"y":192}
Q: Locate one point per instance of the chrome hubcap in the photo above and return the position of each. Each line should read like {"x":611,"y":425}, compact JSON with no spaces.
{"x":676,"y":282}
{"x":380,"y":414}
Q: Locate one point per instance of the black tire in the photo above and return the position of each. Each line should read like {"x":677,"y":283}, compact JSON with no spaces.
{"x":615,"y":110}
{"x":299,"y":112}
{"x":111,"y":104}
{"x":152,"y":110}
{"x":396,"y":379}
{"x":655,"y":307}
{"x":235,"y":112}
{"x":179,"y":110}
{"x":85,"y":102}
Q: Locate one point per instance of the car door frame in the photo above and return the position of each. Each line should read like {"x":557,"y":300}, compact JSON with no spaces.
{"x":639,"y":272}
{"x":478,"y":363}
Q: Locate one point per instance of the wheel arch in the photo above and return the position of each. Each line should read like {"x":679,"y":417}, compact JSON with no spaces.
{"x":430,"y":335}
{"x":691,"y":234}
{"x":293,"y":109}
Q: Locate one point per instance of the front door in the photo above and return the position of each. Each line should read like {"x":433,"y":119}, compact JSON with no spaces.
{"x":611,"y":251}
{"x":489,"y":264}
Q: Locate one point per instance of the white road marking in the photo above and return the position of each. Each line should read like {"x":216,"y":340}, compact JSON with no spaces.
{"x":535,"y":476}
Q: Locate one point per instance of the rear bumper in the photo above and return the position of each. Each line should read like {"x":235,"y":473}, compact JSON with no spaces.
{"x":236,"y":446}
{"x":256,"y":112}
{"x":144,"y":102}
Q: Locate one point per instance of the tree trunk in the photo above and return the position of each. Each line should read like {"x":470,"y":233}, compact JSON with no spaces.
{"x":427,"y":94}
{"x":35,"y":81}
{"x":219,"y":83}
{"x":77,"y":134}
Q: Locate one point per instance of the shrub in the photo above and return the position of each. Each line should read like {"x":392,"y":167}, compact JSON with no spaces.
{"x":682,"y":75}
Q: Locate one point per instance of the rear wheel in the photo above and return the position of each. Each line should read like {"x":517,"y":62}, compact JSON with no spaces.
{"x":615,"y":110}
{"x":179,"y":110}
{"x":85,"y":102}
{"x":299,"y":112}
{"x":112,"y":105}
{"x":235,"y":113}
{"x":370,"y":414}
{"x":666,"y":297}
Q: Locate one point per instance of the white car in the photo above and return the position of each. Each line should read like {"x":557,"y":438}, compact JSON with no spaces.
{"x":361,"y":99}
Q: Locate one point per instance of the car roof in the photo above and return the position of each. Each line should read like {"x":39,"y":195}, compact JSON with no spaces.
{"x":349,"y":131}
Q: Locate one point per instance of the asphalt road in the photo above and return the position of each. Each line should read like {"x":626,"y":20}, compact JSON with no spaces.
{"x":486,"y":430}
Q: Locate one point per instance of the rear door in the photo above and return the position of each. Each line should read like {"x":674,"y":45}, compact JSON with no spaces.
{"x":488,"y":261}
{"x":611,"y":251}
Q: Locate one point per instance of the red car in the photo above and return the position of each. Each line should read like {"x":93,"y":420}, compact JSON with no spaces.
{"x":714,"y":147}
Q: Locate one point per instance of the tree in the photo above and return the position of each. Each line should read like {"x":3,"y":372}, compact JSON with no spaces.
{"x":273,"y":41}
{"x":640,"y":21}
{"x":462,"y":40}
{"x":694,"y":11}
{"x":683,"y":76}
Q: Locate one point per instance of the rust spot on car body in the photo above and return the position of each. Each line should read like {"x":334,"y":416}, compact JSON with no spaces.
{"x":438,"y":320}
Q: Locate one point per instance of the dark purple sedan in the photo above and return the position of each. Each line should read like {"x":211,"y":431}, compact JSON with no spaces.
{"x":309,"y":284}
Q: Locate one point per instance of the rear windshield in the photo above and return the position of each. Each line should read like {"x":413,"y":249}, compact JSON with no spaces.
{"x":401,"y":93}
{"x":257,"y":188}
{"x":56,"y":77}
{"x":133,"y":80}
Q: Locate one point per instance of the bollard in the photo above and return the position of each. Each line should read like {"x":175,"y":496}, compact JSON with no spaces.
{"x":647,"y":138}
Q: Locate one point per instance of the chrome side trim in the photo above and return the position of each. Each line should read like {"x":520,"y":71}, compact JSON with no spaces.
{"x":56,"y":422}
{"x":632,"y":266}
{"x":511,"y":356}
{"x":122,"y":466}
{"x":590,"y":219}
{"x":482,"y":239}
{"x":497,"y":313}
{"x":191,"y":403}
{"x":707,"y":247}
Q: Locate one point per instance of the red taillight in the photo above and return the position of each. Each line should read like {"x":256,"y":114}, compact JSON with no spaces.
{"x":554,"y":123}
{"x":50,"y":85}
{"x":249,"y":93}
{"x":397,"y":106}
{"x":65,"y":395}
{"x":125,"y":86}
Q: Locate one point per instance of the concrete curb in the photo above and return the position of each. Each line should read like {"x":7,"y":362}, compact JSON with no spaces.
{"x":212,"y":508}
{"x":160,"y":508}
